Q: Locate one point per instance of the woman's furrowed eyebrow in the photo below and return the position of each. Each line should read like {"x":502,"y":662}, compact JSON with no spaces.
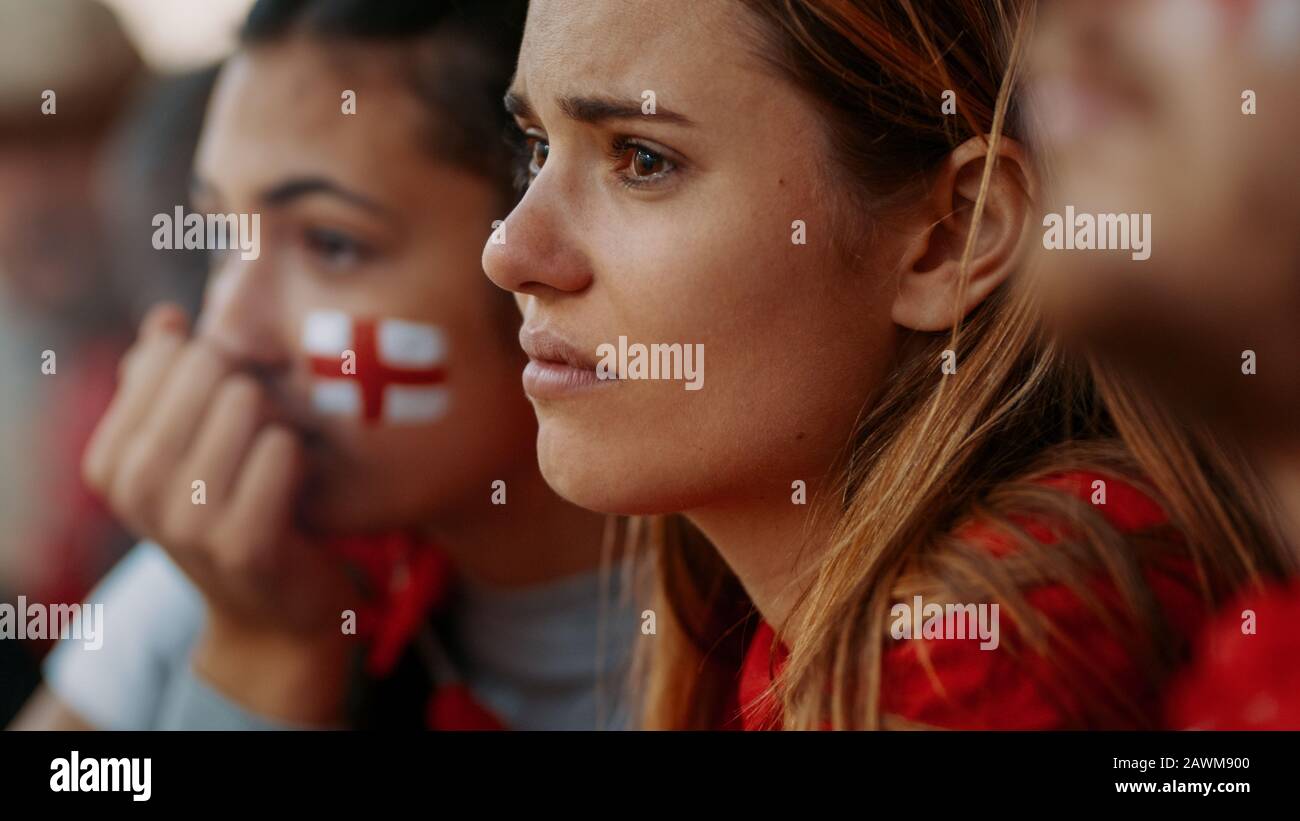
{"x":595,"y":110}
{"x":517,"y":105}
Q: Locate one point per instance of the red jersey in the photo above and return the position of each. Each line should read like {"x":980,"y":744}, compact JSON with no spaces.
{"x":955,"y":684}
{"x":1247,"y":670}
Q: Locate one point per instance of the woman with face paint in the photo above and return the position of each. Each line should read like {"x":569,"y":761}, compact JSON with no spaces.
{"x":1128,"y":97}
{"x":345,"y":416}
{"x":924,"y":513}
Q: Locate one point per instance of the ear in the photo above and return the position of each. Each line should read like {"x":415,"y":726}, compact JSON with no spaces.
{"x":930,"y":296}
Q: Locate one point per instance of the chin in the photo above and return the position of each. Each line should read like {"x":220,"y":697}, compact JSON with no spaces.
{"x":603,"y":476}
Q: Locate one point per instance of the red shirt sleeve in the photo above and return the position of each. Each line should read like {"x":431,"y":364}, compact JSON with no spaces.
{"x":954,"y":683}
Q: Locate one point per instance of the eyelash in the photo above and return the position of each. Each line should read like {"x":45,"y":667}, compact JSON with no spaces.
{"x":619,"y":147}
{"x":521,"y":144}
{"x":326,"y":245}
{"x":622,"y":145}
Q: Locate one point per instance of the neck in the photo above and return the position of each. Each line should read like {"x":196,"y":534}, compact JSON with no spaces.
{"x":770,"y":543}
{"x":534,"y":538}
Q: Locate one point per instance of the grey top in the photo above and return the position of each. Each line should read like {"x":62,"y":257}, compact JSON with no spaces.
{"x":531,"y":655}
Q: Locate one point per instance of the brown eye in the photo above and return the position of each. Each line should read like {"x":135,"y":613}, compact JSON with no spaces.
{"x":646,"y":163}
{"x":541,"y":149}
{"x":641,"y":165}
{"x":335,"y":249}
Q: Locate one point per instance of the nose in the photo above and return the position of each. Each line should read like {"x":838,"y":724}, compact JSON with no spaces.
{"x":534,"y":250}
{"x":242,"y":314}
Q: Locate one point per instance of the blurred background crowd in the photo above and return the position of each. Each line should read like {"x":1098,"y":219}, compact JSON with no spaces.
{"x":132,"y":79}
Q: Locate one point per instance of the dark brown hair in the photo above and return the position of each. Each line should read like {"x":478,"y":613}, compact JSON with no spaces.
{"x":458,"y":57}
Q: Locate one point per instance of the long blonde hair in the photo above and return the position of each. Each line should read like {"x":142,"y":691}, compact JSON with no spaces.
{"x":935,"y":451}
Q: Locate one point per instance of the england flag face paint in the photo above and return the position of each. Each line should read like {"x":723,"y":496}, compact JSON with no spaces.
{"x":378,"y":371}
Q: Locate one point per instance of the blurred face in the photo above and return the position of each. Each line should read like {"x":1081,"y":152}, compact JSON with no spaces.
{"x":675,"y":225}
{"x":355,"y":222}
{"x":49,"y":251}
{"x":1140,"y":105}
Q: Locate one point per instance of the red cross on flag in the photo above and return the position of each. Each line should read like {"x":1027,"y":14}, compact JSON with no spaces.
{"x":377,"y":370}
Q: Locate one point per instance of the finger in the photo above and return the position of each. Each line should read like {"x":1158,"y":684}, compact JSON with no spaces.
{"x":260,"y":509}
{"x":160,"y":443}
{"x":165,"y":317}
{"x":162,"y":320}
{"x":219,"y":450}
{"x":134,"y":400}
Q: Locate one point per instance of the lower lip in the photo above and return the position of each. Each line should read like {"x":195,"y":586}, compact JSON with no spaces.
{"x":548,"y":380}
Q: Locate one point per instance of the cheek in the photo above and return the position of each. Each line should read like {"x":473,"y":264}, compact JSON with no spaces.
{"x":791,"y":346}
{"x":376,"y":474}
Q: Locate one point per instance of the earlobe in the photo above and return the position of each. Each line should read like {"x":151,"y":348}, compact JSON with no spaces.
{"x":931,"y":293}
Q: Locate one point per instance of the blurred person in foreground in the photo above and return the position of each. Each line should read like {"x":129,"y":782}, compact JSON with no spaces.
{"x":1185,"y":110}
